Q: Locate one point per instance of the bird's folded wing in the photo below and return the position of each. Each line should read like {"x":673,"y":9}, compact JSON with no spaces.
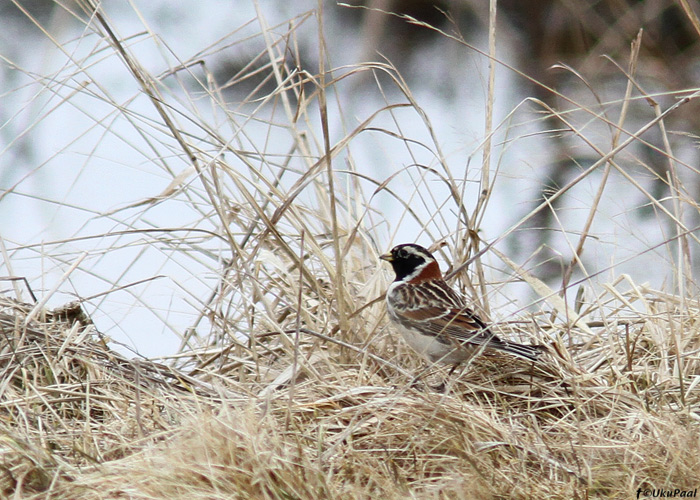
{"x":445,"y":323}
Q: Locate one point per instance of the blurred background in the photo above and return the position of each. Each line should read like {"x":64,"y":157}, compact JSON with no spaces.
{"x":89,"y":174}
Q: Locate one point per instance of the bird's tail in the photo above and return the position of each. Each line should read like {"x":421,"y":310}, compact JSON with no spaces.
{"x":530,"y":352}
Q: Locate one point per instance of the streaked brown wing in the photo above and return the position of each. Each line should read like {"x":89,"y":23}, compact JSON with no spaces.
{"x":459,"y":324}
{"x":438,"y":310}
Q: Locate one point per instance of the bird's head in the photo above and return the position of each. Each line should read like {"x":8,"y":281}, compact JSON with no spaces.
{"x":412,"y":263}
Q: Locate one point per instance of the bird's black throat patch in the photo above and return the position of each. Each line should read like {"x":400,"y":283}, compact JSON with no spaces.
{"x":406,"y":263}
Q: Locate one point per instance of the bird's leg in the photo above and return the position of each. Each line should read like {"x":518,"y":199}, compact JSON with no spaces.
{"x":441,"y":387}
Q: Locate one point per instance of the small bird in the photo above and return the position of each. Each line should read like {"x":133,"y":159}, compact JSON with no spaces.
{"x":434,"y":319}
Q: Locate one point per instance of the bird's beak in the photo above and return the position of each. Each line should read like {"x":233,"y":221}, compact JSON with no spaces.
{"x":387,"y":257}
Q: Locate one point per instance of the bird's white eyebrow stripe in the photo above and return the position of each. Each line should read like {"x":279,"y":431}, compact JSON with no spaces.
{"x":415,"y":251}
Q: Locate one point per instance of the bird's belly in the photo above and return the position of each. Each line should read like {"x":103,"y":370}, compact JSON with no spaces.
{"x":432,"y":349}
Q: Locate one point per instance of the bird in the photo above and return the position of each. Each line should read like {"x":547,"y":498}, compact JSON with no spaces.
{"x":434,"y":319}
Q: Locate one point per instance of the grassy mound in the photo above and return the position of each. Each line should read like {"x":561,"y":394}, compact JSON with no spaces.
{"x":600,"y":418}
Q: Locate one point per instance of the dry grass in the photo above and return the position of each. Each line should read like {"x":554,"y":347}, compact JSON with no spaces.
{"x":597,"y":420}
{"x":299,"y":388}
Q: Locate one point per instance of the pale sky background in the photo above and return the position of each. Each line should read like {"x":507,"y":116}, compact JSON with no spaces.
{"x":69,"y":157}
